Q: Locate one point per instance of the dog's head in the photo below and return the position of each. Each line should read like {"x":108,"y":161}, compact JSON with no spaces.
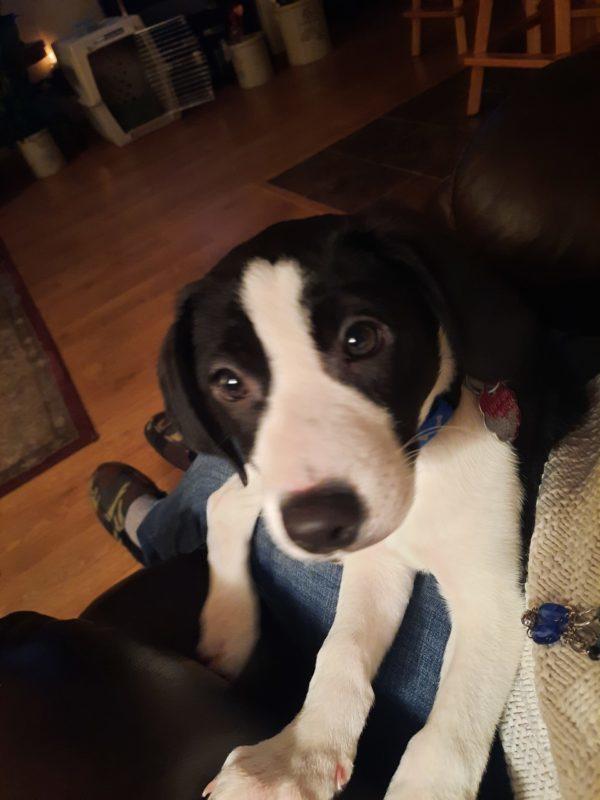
{"x":316,"y":350}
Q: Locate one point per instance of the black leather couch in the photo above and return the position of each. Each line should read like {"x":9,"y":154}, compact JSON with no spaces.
{"x":527,"y":191}
{"x":112,"y":705}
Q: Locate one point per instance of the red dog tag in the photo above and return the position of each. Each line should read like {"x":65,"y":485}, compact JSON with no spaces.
{"x":500,"y":411}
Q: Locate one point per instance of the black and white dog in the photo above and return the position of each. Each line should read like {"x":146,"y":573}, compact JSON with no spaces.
{"x":312,"y":356}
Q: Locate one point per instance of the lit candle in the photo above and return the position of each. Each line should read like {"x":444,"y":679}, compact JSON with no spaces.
{"x":50,"y":55}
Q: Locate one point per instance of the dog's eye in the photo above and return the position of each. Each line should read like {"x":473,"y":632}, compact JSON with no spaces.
{"x":227,"y":385}
{"x":361,"y":338}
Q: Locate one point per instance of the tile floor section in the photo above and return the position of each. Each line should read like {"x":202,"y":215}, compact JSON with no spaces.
{"x":402,"y":157}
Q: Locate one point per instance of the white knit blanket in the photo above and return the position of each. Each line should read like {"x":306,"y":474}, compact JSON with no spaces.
{"x":551,"y":726}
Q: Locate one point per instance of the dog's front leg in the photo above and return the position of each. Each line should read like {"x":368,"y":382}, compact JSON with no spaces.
{"x":229,"y":621}
{"x":312,"y":758}
{"x":447,"y":758}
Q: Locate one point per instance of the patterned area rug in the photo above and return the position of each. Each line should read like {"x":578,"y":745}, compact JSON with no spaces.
{"x":43,"y":419}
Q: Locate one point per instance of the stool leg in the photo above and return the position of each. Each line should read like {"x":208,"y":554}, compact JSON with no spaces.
{"x":562,"y":26}
{"x":534,"y":35}
{"x":415,"y":34}
{"x":460,"y":27}
{"x":482,"y":38}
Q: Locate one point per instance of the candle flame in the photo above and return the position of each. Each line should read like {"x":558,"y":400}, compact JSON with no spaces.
{"x":50,"y":55}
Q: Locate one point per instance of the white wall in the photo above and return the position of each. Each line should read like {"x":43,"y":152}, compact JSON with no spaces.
{"x":49,"y":20}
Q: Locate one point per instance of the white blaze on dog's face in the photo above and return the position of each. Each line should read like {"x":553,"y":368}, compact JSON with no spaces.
{"x":317,"y":431}
{"x":319,"y":365}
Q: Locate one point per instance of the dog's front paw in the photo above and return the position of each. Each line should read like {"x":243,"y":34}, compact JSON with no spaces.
{"x":229,"y":628}
{"x":281,"y":768}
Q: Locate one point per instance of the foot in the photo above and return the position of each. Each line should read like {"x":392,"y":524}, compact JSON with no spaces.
{"x":164,"y":437}
{"x":113,"y":489}
{"x":285,"y":767}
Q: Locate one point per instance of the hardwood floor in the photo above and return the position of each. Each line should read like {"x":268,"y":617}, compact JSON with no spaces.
{"x":104,"y":245}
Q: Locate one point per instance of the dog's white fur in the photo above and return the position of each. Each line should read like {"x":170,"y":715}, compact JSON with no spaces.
{"x":456,"y":514}
{"x":229,"y":620}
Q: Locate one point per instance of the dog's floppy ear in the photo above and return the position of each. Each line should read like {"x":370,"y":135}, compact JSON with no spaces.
{"x":184,"y":401}
{"x":493,"y":332}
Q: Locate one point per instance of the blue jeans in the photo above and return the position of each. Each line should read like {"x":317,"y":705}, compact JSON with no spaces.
{"x":303,"y":597}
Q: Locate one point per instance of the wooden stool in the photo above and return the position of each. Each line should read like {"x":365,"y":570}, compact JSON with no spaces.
{"x":417,"y":14}
{"x":533,"y":58}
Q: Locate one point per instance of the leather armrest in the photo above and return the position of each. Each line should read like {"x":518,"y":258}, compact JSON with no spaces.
{"x":159,"y":606}
{"x":527,"y":187}
{"x":526,"y":193}
{"x":87,"y":712}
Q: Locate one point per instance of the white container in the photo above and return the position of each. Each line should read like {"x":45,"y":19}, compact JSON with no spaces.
{"x":270,"y":26}
{"x":42,"y":154}
{"x":304,"y":30}
{"x":251,"y":61}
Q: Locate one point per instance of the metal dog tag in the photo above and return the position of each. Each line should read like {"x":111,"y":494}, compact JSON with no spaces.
{"x":501,"y":412}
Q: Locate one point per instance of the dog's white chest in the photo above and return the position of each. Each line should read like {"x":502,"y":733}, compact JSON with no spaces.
{"x":467,"y":498}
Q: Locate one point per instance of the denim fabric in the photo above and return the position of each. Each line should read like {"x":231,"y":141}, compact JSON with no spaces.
{"x":301,"y":597}
{"x":177,"y":524}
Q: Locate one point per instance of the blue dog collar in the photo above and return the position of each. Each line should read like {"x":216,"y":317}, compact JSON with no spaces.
{"x":440,"y":413}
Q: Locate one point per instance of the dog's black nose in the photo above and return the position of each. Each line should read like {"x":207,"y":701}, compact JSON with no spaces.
{"x":324,"y":519}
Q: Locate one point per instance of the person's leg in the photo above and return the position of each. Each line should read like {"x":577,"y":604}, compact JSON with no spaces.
{"x":300,"y":597}
{"x":300,"y":600}
{"x":177,"y":523}
{"x":152,"y":525}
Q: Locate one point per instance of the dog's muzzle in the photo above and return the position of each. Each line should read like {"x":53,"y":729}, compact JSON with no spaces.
{"x":324,"y":519}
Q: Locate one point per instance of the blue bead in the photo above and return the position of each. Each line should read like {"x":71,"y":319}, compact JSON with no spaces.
{"x":550,"y":623}
{"x":545,"y":633}
{"x":553,"y":614}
